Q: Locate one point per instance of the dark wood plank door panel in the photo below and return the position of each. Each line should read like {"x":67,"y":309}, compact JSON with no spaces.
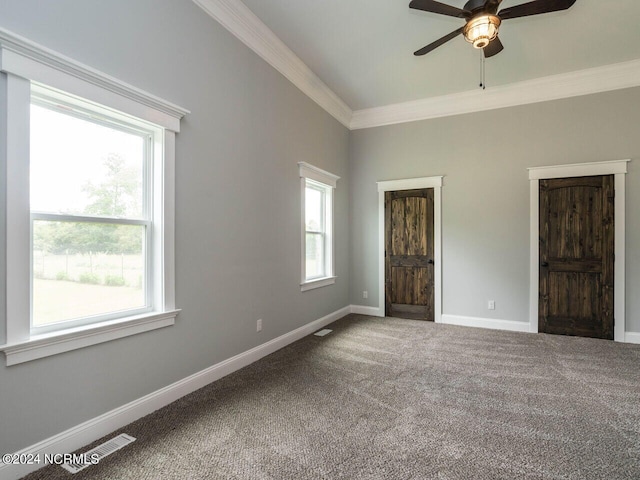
{"x":577,"y":256}
{"x":409,"y":264}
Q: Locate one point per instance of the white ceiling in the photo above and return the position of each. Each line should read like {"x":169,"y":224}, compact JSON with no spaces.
{"x":363,"y":49}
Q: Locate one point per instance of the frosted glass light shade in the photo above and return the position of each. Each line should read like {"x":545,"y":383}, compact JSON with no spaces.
{"x":481,"y":30}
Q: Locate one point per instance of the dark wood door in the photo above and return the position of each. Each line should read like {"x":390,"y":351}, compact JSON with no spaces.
{"x":409,"y":267}
{"x":576,"y":256}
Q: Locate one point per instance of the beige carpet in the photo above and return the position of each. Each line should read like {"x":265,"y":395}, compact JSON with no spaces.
{"x":401,"y":399}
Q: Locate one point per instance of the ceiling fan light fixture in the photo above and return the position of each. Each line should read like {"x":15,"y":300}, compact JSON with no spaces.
{"x":481,"y":30}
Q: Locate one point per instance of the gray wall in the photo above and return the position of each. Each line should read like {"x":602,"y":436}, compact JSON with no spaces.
{"x":237,"y":205}
{"x":485,"y":198}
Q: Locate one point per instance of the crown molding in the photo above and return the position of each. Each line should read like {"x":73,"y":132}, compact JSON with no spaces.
{"x":554,"y":87}
{"x":236,"y":17}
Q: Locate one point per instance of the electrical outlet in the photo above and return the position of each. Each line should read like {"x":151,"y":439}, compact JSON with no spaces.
{"x":491,"y":305}
{"x":365,"y":294}
{"x":259,"y":325}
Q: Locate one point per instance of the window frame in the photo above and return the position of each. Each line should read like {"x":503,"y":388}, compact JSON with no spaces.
{"x":80,"y":109}
{"x":325,"y":182}
{"x":323,"y":231}
{"x":22,"y":64}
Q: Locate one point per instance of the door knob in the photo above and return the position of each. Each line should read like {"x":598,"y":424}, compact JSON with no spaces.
{"x":430,"y":262}
{"x":544,"y":264}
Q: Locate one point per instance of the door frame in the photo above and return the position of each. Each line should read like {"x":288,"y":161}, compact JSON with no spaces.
{"x":618,"y":168}
{"x":413,"y":184}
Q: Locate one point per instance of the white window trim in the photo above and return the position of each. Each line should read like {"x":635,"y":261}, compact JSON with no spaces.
{"x":617,"y":168}
{"x":23,"y":62}
{"x":317,"y":283}
{"x":307,"y":171}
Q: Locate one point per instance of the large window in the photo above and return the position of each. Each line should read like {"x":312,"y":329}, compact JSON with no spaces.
{"x":91,"y":213}
{"x":89,"y":205}
{"x":317,"y":226}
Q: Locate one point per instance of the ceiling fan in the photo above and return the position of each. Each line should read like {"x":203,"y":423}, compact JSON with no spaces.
{"x":483,"y":20}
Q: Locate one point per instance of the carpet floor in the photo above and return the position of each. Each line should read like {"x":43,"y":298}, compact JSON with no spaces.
{"x":387,"y":398}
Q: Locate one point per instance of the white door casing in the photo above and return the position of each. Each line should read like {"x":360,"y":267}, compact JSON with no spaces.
{"x":413,"y":184}
{"x":618,"y":168}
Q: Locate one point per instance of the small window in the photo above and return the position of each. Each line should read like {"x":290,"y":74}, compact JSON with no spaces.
{"x":91,"y":213}
{"x":317,"y":232}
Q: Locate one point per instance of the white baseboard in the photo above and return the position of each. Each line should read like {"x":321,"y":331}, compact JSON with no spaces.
{"x":632,"y":337}
{"x":485,"y":323}
{"x":457,"y":320}
{"x":364,"y":310}
{"x":479,"y":322}
{"x":93,"y":429}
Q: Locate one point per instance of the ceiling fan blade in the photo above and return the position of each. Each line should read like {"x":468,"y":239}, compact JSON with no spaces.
{"x":535,"y":8}
{"x":437,"y":7}
{"x":437,"y":43}
{"x":494,"y":48}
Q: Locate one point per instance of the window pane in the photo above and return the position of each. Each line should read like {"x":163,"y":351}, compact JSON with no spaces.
{"x":314,"y":255}
{"x":313,"y":209}
{"x":84,"y":168}
{"x":86,"y":269}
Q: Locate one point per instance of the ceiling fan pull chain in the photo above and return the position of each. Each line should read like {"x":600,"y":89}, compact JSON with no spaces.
{"x":483,"y":84}
{"x":484,"y":71}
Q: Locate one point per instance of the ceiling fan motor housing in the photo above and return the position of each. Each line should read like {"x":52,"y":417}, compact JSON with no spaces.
{"x":472,"y":5}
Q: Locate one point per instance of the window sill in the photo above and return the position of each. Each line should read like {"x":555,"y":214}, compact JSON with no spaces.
{"x":64,"y":341}
{"x":320,"y":282}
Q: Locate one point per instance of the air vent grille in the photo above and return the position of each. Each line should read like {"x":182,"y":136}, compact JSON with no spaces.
{"x":323,"y":332}
{"x":96,"y":454}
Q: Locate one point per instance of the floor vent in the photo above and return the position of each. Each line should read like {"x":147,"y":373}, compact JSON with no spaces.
{"x":323,"y":332}
{"x":96,"y":454}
